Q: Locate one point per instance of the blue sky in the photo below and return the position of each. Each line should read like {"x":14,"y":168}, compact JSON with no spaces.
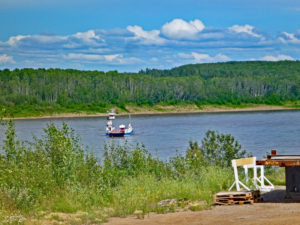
{"x":129,"y":35}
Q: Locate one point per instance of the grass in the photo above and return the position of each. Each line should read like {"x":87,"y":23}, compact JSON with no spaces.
{"x":55,"y":179}
{"x":276,"y":175}
{"x":48,"y":110}
{"x":143,"y":192}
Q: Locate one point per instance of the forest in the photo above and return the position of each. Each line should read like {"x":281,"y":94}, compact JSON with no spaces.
{"x":38,"y":91}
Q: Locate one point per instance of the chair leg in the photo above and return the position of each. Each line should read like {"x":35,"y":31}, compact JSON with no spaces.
{"x":236,"y":176}
{"x":232,"y":186}
{"x":244,"y":186}
{"x":255,"y":175}
{"x":246,"y":173}
{"x":262,"y":175}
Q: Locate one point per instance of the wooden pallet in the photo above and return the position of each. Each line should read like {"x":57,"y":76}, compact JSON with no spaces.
{"x":244,"y":194}
{"x":237,"y":197}
{"x":232,"y":202}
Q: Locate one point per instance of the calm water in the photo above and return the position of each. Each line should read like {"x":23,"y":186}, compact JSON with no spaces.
{"x":163,"y":135}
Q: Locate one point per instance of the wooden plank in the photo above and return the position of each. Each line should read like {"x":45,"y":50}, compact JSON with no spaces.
{"x":245,"y":202}
{"x":235,"y":202}
{"x":236,"y":199}
{"x":245,"y":161}
{"x":237,"y":192}
{"x":280,"y":160}
{"x":285,"y":157}
{"x":233,"y":193}
{"x":225,"y":201}
{"x":220,"y":203}
{"x":281,"y":163}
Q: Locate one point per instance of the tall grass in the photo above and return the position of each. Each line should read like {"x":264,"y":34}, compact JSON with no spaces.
{"x":55,"y":173}
{"x":143,"y":192}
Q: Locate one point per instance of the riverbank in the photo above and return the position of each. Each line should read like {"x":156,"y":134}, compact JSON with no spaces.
{"x":167,"y":109}
{"x":125,"y":181}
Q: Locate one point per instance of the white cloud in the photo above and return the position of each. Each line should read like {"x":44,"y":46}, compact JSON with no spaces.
{"x":146,"y":37}
{"x":95,"y":50}
{"x":14,"y":40}
{"x":89,"y":38}
{"x":289,"y":38}
{"x":277,"y":58}
{"x":154,"y":59}
{"x":5,"y":59}
{"x":84,"y":56}
{"x":222,"y":58}
{"x":49,"y":39}
{"x":204,"y":58}
{"x":184,"y":55}
{"x":245,"y":29}
{"x":180,"y":29}
{"x":44,"y":39}
{"x":116,"y":59}
{"x":111,"y":58}
{"x":200,"y":58}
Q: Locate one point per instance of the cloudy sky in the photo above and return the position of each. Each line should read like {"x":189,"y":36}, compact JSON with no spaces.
{"x":129,"y":35}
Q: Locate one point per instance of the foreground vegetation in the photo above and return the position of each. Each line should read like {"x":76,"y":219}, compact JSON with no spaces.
{"x":55,"y":174}
{"x":29,"y":92}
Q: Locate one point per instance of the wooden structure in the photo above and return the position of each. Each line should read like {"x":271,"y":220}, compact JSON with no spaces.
{"x":237,"y":197}
{"x":292,"y":171}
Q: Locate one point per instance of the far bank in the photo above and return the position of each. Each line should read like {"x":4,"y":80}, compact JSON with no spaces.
{"x":154,"y":110}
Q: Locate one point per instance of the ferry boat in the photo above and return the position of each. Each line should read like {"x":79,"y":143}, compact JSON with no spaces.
{"x":111,"y":131}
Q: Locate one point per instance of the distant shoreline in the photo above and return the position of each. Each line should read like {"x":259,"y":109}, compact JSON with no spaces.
{"x":163,"y":110}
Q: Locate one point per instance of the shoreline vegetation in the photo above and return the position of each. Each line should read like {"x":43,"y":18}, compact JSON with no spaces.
{"x":55,"y":179}
{"x":163,"y":109}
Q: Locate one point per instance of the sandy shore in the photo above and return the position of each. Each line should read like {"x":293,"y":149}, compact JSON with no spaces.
{"x":157,"y":110}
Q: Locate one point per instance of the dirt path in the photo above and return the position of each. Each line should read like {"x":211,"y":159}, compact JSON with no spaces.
{"x":259,"y":213}
{"x":275,"y":211}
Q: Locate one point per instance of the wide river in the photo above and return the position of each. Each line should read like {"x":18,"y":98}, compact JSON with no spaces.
{"x":164,"y":135}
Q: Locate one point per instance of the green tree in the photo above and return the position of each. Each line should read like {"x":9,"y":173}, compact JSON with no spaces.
{"x":219,"y":149}
{"x":216,"y":149}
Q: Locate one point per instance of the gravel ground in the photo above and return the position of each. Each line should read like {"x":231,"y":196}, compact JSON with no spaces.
{"x":274,"y":210}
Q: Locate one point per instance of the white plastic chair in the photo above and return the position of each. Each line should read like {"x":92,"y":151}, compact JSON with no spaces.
{"x":259,"y":182}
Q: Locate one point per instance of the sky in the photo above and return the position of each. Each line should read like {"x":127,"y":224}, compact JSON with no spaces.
{"x":130,"y":35}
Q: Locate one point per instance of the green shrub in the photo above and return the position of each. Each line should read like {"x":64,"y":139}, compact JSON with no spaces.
{"x":55,"y":173}
{"x":216,"y":149}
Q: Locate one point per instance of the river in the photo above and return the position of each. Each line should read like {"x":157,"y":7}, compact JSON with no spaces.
{"x":166,"y":135}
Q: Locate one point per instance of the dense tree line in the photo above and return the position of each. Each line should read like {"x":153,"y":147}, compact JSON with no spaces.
{"x":215,"y":83}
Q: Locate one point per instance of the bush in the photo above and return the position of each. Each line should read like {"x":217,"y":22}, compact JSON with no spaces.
{"x":216,"y":150}
{"x":50,"y":166}
{"x":55,"y":173}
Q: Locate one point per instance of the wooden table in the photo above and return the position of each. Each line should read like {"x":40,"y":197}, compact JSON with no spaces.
{"x":292,"y":171}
